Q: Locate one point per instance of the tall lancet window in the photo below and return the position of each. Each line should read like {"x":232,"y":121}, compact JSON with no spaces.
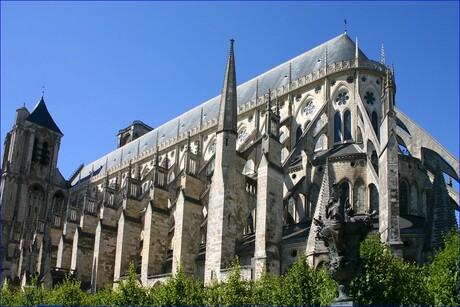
{"x":403,"y":198}
{"x":337,"y":128}
{"x":298,"y":135}
{"x":375,"y":123}
{"x":347,"y":125}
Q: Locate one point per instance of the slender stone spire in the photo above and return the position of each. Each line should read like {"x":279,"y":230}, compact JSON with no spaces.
{"x":228,"y":107}
{"x":383,"y":55}
{"x":356,"y":49}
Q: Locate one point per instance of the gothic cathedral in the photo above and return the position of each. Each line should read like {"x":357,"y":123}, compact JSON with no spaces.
{"x":242,"y":174}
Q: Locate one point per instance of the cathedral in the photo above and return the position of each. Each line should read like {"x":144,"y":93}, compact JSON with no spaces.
{"x":240,"y":175}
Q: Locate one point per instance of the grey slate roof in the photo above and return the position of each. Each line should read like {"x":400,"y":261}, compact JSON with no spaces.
{"x":338,"y":49}
{"x":42,"y":117}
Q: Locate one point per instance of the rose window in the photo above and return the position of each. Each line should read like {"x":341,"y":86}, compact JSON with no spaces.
{"x":212,"y":149}
{"x":243,"y":136}
{"x":369,"y":97}
{"x":342,"y":98}
{"x":309,"y":108}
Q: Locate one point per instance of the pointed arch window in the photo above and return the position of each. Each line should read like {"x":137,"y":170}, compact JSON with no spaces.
{"x":347,"y":125}
{"x":375,"y":123}
{"x":345,"y":197}
{"x":373,"y":198}
{"x":403,"y":198}
{"x":337,"y":128}
{"x":298,"y":135}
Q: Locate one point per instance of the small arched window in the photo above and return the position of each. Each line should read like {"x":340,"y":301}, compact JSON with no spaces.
{"x":337,"y":128}
{"x":359,"y":136}
{"x":347,"y":125}
{"x":373,"y":198}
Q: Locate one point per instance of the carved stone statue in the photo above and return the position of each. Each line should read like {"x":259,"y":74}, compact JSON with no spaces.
{"x":342,"y":236}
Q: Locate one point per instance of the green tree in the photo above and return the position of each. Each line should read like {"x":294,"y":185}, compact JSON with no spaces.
{"x":130,"y":292}
{"x":178,"y":290}
{"x":442,"y":279}
{"x":68,"y":293}
{"x":267,"y":290}
{"x":302,"y":285}
{"x":235,"y":291}
{"x":35,"y":294}
{"x":103,"y":297}
{"x":11,"y":296}
{"x":386,"y":279}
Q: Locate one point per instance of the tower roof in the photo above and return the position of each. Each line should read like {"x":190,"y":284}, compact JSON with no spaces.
{"x":42,"y":117}
{"x":227,"y":111}
{"x":340,"y":48}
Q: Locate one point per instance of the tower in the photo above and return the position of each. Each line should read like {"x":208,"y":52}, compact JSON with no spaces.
{"x":33,"y":193}
{"x":223,"y":205}
{"x":269,"y":211}
{"x":388,"y":172}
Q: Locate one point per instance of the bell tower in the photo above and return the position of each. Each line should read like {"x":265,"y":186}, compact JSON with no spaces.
{"x":33,"y":191}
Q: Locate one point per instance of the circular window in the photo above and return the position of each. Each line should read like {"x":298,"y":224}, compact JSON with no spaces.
{"x":243,"y":135}
{"x":342,"y":98}
{"x":309,"y":108}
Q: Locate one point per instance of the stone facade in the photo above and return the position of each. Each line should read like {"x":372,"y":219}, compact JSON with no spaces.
{"x":243,"y":174}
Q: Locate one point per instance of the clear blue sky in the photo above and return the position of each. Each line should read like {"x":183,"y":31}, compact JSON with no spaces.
{"x":105,"y":64}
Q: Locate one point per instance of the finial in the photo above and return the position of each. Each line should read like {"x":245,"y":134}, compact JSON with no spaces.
{"x":277,"y":106}
{"x":257,"y":90}
{"x":24,"y":105}
{"x":43,"y":91}
{"x":383,"y":55}
{"x":231,"y":42}
{"x":345,"y":21}
{"x":356,"y":48}
{"x":325,"y":58}
{"x":290,"y":72}
{"x":393,"y":69}
{"x":178,"y":128}
{"x":269,"y":102}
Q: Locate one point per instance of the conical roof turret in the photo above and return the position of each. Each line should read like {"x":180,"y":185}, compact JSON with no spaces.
{"x":228,"y":102}
{"x":42,"y":117}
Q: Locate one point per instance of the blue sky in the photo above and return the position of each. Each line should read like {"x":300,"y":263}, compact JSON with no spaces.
{"x":105,"y":64}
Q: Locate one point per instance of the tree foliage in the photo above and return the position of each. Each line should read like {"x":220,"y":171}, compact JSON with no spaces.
{"x":384,"y":280}
{"x":442,"y":279}
{"x":129,"y":291}
{"x":178,"y":290}
{"x":302,"y":285}
{"x":68,"y":293}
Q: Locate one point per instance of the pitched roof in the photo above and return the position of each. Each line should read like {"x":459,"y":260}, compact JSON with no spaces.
{"x":42,"y":117}
{"x":338,"y":49}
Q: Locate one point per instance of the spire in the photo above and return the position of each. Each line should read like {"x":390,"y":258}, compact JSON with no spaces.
{"x":314,"y":246}
{"x":383,"y":55}
{"x":393,"y":70}
{"x":325,"y":58}
{"x":356,"y":49}
{"x":42,"y":117}
{"x":277,"y":109}
{"x":268,"y":107}
{"x":228,"y":102}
